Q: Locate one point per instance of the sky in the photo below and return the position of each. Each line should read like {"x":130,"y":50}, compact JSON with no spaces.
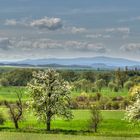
{"x":34,"y":29}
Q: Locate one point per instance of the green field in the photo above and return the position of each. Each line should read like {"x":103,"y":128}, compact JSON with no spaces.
{"x":9,"y":93}
{"x":112,"y":124}
{"x":112,"y":127}
{"x":106,"y":92}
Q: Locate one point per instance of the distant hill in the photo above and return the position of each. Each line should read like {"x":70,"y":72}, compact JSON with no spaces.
{"x":82,"y":61}
{"x":91,"y":62}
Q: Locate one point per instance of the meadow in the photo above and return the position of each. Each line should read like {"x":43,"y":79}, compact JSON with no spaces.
{"x":113,"y":124}
{"x":9,"y":93}
{"x":112,"y":127}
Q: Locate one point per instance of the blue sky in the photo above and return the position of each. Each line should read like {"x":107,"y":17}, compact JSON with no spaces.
{"x":32,"y":29}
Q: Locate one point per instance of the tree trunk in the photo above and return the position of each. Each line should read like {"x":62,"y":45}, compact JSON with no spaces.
{"x":95,"y":129}
{"x":16,"y":124}
{"x":48,"y":123}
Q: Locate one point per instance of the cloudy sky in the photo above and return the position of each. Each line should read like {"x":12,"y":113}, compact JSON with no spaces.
{"x":31,"y":29}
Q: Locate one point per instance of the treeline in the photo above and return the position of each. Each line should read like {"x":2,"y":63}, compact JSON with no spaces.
{"x":80,"y":80}
{"x":95,"y":81}
{"x":16,"y":77}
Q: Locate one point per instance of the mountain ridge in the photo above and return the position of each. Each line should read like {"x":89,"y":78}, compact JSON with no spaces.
{"x":110,"y":61}
{"x":92,"y":62}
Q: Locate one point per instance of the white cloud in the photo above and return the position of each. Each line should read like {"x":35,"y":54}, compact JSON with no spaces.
{"x":131,"y":47}
{"x":47,"y":23}
{"x":48,"y":45}
{"x":78,"y":30}
{"x":24,"y":22}
{"x":84,"y":47}
{"x":131,"y":19}
{"x":98,"y":36}
{"x":98,"y":48}
{"x":44,"y":23}
{"x":11,"y":22}
{"x":94,"y":36}
{"x":124,"y":30}
{"x":4,"y":43}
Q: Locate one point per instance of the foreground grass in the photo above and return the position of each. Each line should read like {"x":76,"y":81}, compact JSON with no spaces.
{"x":29,"y":136}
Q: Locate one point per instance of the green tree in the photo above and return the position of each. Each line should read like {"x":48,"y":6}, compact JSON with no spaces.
{"x":16,"y":77}
{"x":100,"y":84}
{"x":96,"y":118}
{"x":133,"y":111}
{"x":128,"y":84}
{"x":121,"y":77}
{"x":82,"y":85}
{"x":49,"y":96}
{"x":107,"y":76}
{"x":113,"y":86}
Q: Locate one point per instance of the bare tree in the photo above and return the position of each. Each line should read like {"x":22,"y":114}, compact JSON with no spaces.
{"x":15,"y":109}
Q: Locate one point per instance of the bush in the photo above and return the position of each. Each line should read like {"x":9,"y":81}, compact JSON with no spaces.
{"x":117,"y":98}
{"x":82,"y":98}
{"x":93,"y":89}
{"x":108,"y":105}
{"x":4,"y":82}
{"x":115,"y":105}
{"x":102,"y":102}
{"x":74,"y":104}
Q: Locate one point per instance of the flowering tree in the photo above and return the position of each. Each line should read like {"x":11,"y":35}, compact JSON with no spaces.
{"x":49,"y":96}
{"x":133,"y":111}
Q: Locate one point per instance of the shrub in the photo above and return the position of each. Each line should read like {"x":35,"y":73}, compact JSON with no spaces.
{"x":108,"y":105}
{"x":115,"y":105}
{"x":102,"y":102}
{"x":82,"y":98}
{"x":117,"y":98}
{"x":4,"y":82}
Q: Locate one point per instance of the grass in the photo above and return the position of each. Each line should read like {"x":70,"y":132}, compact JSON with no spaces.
{"x":112,"y":124}
{"x":29,"y":136}
{"x":106,"y":92}
{"x":9,"y":93}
